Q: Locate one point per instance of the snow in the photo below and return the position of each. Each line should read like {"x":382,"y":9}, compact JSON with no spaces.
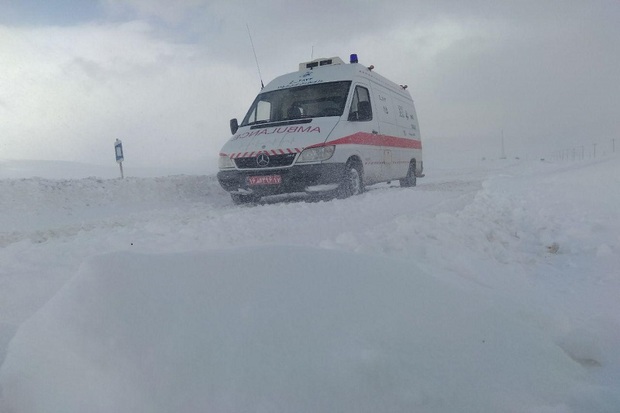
{"x":490,"y":287}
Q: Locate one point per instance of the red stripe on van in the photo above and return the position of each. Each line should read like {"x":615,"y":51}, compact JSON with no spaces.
{"x":365,"y":138}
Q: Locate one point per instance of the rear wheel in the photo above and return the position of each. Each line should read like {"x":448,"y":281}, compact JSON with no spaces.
{"x":352,"y":181}
{"x":410,"y":179}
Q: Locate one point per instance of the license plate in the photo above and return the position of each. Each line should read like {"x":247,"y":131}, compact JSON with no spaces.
{"x":265,"y":180}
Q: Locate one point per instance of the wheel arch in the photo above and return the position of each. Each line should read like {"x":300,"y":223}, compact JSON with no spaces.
{"x":357,"y":161}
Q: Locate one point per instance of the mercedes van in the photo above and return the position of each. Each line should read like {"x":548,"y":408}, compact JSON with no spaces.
{"x":330,"y":129}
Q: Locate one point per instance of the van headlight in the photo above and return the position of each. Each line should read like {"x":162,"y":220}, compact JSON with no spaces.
{"x":225,"y":162}
{"x":322,"y":153}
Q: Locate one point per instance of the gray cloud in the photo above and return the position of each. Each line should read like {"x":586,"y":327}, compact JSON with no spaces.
{"x":166,"y":79}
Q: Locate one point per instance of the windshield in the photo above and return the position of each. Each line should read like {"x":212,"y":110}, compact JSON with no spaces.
{"x":312,"y":101}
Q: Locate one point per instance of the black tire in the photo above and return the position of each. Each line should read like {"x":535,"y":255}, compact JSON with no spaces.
{"x":352,"y":181}
{"x":410,"y":180}
{"x":244,"y":199}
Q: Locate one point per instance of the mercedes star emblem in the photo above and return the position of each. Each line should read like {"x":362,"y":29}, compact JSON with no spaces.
{"x":262,"y":160}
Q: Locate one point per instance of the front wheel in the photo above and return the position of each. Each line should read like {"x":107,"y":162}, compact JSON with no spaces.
{"x":352,"y":182}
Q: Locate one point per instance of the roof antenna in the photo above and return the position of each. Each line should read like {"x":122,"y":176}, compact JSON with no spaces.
{"x":262,"y":86}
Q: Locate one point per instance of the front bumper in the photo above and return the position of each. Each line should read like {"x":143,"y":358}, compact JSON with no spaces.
{"x":297,"y":178}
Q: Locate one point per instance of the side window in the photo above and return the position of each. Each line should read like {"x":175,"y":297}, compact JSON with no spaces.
{"x":263,"y":111}
{"x":361,"y":110}
{"x":260,"y":112}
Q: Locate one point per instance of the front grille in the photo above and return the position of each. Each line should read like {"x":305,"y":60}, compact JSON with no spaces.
{"x":275,"y":161}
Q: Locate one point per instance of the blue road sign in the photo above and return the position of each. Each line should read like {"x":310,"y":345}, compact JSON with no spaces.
{"x":118,"y":148}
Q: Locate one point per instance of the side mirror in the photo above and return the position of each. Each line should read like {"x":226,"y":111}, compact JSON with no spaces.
{"x":234,"y":125}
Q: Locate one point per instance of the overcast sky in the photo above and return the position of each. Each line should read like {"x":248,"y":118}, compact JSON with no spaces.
{"x":166,"y":77}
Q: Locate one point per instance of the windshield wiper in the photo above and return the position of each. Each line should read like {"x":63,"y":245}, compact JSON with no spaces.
{"x":258,"y":122}
{"x":266,"y":124}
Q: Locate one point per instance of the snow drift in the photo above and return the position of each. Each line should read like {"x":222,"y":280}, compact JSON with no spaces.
{"x":277,"y":330}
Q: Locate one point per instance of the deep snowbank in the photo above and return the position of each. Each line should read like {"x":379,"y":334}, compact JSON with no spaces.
{"x":279,"y":330}
{"x":49,"y":169}
{"x":37,"y":204}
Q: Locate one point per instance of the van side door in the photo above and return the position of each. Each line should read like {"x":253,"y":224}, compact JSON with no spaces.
{"x":387,"y":129}
{"x":408,"y":124}
{"x":360,"y":132}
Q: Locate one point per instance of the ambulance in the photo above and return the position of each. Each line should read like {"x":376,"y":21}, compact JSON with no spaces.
{"x":329,"y":130}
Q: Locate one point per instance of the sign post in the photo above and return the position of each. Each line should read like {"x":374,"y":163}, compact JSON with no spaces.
{"x":118,"y":148}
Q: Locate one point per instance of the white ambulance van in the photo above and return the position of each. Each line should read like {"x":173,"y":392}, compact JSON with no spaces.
{"x":329,"y":129}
